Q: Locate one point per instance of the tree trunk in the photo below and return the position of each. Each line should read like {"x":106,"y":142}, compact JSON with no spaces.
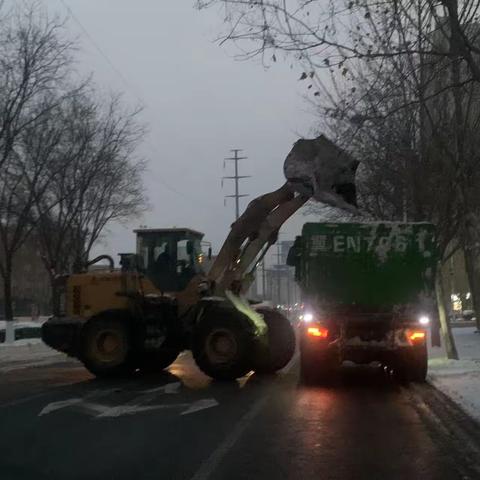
{"x":474,"y":281}
{"x":8,"y":303}
{"x":448,"y":339}
{"x":435,"y":332}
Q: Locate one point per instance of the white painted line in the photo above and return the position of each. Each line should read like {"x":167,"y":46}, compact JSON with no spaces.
{"x":200,"y":405}
{"x":51,"y":407}
{"x":13,"y":403}
{"x":54,"y":406}
{"x":121,"y":410}
{"x":213,"y":461}
{"x":169,"y":388}
{"x":114,"y":412}
{"x":38,"y":363}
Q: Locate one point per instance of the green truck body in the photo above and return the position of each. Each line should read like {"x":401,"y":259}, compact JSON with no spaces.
{"x":368,"y":290}
{"x":374,"y":265}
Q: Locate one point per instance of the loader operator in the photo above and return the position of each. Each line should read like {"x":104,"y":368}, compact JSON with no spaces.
{"x":162,"y":269}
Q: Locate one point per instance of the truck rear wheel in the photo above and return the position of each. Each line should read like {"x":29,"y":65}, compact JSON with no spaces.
{"x":106,"y":347}
{"x":222,"y":345}
{"x":412,"y":365}
{"x":281,"y":343}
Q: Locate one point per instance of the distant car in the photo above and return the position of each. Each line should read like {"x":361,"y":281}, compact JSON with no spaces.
{"x":23,"y":330}
{"x":468,"y":315}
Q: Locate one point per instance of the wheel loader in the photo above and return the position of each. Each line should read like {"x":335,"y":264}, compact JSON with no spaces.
{"x":161,"y":302}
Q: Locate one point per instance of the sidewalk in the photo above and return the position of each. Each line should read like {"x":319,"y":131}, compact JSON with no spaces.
{"x":459,"y":379}
{"x":27,"y":352}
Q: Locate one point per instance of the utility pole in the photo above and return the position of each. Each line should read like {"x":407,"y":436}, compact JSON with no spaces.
{"x":236,"y":177}
{"x":278,"y":273}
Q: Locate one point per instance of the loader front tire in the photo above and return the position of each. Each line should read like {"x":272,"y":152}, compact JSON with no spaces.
{"x":105,"y":348}
{"x":222,"y":345}
{"x":281,"y":343}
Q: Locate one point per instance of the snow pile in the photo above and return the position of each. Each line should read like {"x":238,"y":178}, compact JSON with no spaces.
{"x":24,"y":322}
{"x":314,"y":165}
{"x":28,"y":349}
{"x":459,"y":379}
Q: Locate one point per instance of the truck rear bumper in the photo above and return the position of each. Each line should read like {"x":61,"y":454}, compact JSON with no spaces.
{"x":387,"y":352}
{"x":62,"y":334}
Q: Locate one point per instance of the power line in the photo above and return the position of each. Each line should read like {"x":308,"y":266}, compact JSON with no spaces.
{"x":102,"y":52}
{"x":236,"y":177}
{"x":129,"y":87}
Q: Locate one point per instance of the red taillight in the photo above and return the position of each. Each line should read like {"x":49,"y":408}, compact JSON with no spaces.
{"x":320,"y":332}
{"x":416,"y":335}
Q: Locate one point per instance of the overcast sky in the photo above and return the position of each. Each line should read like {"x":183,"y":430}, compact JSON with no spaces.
{"x":199,"y":103}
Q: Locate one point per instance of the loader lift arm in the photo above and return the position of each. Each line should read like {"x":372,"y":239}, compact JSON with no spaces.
{"x":251,"y":236}
{"x":314,"y":168}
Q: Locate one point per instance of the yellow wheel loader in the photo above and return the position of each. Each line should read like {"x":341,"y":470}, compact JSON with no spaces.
{"x":160,"y":301}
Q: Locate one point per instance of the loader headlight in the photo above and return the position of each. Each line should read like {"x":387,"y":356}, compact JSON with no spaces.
{"x":423,"y":320}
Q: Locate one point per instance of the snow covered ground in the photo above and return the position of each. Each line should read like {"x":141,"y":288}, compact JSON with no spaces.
{"x":26,"y":352}
{"x":459,"y":379}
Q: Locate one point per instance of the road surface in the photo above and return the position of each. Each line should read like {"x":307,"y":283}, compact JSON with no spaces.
{"x":57,"y":422}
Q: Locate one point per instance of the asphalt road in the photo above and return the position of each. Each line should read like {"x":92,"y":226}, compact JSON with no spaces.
{"x":57,"y":422}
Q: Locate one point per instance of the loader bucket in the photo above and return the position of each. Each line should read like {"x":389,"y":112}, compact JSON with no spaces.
{"x":319,"y":169}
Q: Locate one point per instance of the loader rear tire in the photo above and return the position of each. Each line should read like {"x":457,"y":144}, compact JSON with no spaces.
{"x":222,"y":345}
{"x":105,"y":348}
{"x":281,"y":343}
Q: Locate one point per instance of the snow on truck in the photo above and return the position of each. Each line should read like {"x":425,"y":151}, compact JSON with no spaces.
{"x":369,"y":291}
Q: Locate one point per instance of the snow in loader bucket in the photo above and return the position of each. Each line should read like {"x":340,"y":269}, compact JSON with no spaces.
{"x":319,"y":169}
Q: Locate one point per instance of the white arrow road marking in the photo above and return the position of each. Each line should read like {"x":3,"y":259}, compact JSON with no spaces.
{"x":52,"y":407}
{"x":200,"y":405}
{"x":137,"y":405}
{"x":132,"y":409}
{"x":168,"y":388}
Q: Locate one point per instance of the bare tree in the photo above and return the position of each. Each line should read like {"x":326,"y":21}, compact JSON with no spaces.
{"x":332,"y":33}
{"x":68,"y":161}
{"x":101,"y":181}
{"x":34,"y":65}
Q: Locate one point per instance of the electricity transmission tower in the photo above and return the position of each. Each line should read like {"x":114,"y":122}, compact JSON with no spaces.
{"x":236,"y":177}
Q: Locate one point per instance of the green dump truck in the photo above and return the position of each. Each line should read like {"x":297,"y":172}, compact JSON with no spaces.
{"x":368,"y":290}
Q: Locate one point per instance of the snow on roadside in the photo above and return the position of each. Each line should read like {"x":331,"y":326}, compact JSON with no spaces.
{"x":27,"y":352}
{"x":459,"y":379}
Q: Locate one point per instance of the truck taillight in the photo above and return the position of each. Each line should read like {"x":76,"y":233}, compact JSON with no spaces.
{"x":319,"y":332}
{"x":416,"y":336}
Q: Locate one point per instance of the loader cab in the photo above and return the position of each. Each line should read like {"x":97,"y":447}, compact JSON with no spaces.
{"x":171,"y":257}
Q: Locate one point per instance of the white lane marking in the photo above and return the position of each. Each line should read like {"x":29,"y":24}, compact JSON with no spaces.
{"x":38,"y":363}
{"x":200,"y":405}
{"x":137,"y":405}
{"x":213,"y":461}
{"x":113,"y":412}
{"x":13,"y":403}
{"x":169,"y":388}
{"x":53,"y":406}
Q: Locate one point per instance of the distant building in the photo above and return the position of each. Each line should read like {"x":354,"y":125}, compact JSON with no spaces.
{"x":30,"y":283}
{"x":280,"y":285}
